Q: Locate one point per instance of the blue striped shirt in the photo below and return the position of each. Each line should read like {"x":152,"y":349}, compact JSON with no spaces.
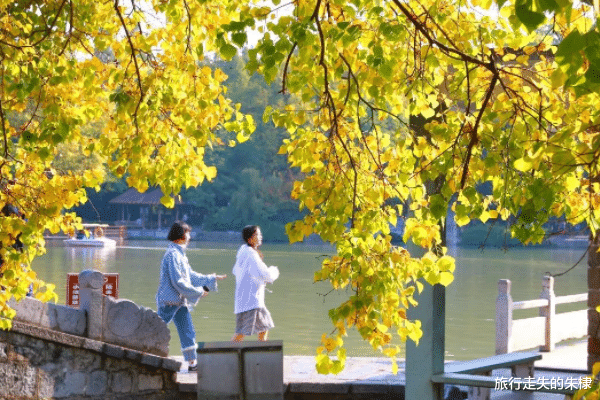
{"x":178,"y":283}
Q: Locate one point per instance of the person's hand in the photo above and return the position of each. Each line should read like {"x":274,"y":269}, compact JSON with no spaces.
{"x":220,"y":277}
{"x":204,"y":294}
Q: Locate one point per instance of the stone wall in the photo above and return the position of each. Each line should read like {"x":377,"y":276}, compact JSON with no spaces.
{"x":108,"y":349}
{"x":37,"y":363}
{"x":103,"y":318}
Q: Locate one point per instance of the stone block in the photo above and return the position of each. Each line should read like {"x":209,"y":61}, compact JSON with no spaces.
{"x":97,"y":384}
{"x":91,"y":279}
{"x":70,"y":320}
{"x":219,"y":373}
{"x":129,"y":325}
{"x":74,"y":383}
{"x":121,"y":382}
{"x":150,"y":382}
{"x":113,"y":351}
{"x":45,"y":384}
{"x":263,"y":372}
{"x":85,"y":360}
{"x":94,"y":345}
{"x":133,"y":355}
{"x":171,"y":364}
{"x":90,"y":290}
{"x":28,"y":310}
{"x":593,"y":298}
{"x":18,"y":380}
{"x":48,"y":317}
{"x":151,"y":360}
{"x":51,"y":369}
{"x":123,"y":317}
{"x":47,"y":334}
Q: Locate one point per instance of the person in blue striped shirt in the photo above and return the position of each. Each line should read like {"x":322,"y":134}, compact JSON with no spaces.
{"x":180,"y":288}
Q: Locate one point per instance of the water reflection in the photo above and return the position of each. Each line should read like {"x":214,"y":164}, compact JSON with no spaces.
{"x":96,"y":258}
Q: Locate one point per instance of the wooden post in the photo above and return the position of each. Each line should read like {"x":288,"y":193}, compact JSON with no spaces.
{"x":504,"y":318}
{"x":549,"y":312}
{"x":427,"y":359}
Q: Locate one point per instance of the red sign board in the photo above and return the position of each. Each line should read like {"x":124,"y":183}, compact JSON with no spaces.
{"x":110,"y":288}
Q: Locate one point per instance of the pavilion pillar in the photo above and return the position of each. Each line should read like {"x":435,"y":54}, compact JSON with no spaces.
{"x":427,"y":358}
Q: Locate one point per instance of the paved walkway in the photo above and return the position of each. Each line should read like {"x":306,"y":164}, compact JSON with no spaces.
{"x":566,"y":361}
{"x":572,"y":356}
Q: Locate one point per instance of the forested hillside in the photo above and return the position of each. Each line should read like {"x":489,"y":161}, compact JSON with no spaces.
{"x":253,"y":184}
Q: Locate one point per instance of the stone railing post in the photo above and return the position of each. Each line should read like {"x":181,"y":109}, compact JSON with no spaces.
{"x":504,"y":318}
{"x":90,"y":291}
{"x":549,"y":312}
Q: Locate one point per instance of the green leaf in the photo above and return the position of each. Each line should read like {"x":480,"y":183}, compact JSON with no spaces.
{"x":239,"y":38}
{"x":200,"y":50}
{"x":569,"y":47}
{"x":374,"y":91}
{"x":593,"y":73}
{"x":386,"y":71}
{"x":524,"y":11}
{"x":437,"y":206}
{"x":548,"y":5}
{"x":228,"y":51}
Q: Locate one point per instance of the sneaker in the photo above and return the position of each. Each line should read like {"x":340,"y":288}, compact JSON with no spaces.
{"x":193,"y":368}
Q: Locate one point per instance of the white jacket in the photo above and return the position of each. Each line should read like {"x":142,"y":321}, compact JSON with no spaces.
{"x":251,"y":275}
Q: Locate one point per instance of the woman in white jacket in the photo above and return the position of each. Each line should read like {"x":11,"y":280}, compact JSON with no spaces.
{"x":251,"y":276}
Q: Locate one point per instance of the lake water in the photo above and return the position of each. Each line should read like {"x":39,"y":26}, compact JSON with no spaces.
{"x":299,"y":307}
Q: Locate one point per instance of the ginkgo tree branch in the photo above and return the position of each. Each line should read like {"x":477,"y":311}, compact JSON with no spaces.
{"x":285,"y":68}
{"x":427,"y":34}
{"x":188,"y":46}
{"x":135,"y":62}
{"x":475,"y":129}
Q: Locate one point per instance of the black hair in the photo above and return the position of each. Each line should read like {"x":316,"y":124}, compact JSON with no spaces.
{"x":178,"y":231}
{"x":10,"y":210}
{"x":248,"y":231}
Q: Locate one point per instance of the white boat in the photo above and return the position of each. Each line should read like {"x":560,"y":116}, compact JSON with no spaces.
{"x":91,"y":242}
{"x":97,"y":239}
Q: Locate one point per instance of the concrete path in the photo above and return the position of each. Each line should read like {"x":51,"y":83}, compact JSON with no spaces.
{"x":367,"y":372}
{"x":572,"y":356}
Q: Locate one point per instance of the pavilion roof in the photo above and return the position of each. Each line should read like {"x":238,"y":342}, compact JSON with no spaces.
{"x":149,"y":197}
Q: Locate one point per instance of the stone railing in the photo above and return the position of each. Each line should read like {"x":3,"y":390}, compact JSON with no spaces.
{"x":120,"y":322}
{"x":544,"y":331}
{"x":107,"y":349}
